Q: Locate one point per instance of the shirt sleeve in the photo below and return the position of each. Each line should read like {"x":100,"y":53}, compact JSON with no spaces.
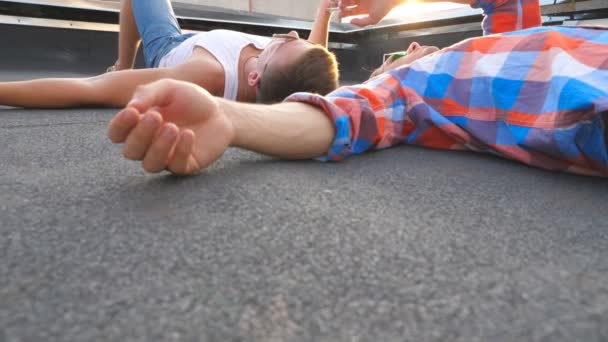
{"x":508,"y":15}
{"x":366,"y":117}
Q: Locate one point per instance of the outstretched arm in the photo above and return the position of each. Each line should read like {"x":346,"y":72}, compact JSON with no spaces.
{"x":182,"y":128}
{"x":110,"y":89}
{"x":320,"y":30}
{"x":46,"y":93}
{"x":113,"y":89}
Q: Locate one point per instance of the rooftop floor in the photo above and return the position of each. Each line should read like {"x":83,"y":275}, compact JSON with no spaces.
{"x":407,"y":244}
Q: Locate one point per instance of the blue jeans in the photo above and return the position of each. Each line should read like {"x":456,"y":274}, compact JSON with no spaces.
{"x":158,"y":28}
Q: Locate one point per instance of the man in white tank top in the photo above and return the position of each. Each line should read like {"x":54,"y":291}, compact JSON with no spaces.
{"x":229,"y":64}
{"x":225,"y":46}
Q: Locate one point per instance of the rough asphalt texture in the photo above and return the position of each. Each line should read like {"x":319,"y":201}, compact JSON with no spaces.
{"x":406,"y":244}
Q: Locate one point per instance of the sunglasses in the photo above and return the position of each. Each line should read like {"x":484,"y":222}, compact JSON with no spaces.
{"x":393,"y":56}
{"x":285,"y":36}
{"x":289,"y":38}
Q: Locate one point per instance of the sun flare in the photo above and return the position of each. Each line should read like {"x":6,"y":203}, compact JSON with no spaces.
{"x":413,"y":8}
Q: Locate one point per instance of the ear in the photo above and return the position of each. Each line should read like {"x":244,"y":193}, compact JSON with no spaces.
{"x":413,"y":47}
{"x":253,"y":79}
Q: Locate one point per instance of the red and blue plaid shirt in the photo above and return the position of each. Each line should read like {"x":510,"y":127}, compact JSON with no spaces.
{"x":538,"y":96}
{"x":508,"y":15}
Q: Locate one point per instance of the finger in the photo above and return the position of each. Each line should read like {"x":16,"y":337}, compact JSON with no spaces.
{"x":121,"y":125}
{"x":156,"y":94}
{"x":347,"y":3}
{"x":157,"y":157}
{"x":180,"y":163}
{"x":364,"y":21}
{"x":141,"y":136}
{"x":350,"y":11}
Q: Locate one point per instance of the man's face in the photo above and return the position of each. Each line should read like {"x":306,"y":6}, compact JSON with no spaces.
{"x":282,"y":51}
{"x":416,"y":51}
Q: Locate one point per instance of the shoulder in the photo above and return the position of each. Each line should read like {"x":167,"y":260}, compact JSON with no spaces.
{"x":203,"y":70}
{"x":222,"y":34}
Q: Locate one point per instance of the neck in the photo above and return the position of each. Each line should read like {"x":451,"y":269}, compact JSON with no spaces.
{"x":248,"y":62}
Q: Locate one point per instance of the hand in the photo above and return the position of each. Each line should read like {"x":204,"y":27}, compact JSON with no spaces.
{"x":172,"y":125}
{"x":374,"y":10}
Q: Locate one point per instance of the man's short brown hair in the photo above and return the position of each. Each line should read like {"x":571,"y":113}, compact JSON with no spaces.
{"x":316,"y":71}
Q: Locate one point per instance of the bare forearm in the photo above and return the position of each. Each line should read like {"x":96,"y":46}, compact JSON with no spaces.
{"x":112,"y":89}
{"x":46,"y":93}
{"x":286,"y":130}
{"x":319,"y":33}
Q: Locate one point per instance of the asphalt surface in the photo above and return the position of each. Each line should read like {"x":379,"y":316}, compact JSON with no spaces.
{"x":407,"y":244}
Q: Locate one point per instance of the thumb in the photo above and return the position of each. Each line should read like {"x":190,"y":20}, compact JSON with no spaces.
{"x":157,"y":94}
{"x":348,"y":11}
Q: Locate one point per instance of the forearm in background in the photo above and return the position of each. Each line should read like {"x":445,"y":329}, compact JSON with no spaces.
{"x":45,"y":93}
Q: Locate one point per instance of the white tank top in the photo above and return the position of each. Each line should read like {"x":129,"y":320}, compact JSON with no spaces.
{"x":225,"y":46}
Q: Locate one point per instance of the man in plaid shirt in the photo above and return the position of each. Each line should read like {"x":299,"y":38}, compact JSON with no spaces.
{"x":538,"y":96}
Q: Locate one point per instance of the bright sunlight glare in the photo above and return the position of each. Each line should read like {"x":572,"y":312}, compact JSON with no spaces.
{"x":413,"y":8}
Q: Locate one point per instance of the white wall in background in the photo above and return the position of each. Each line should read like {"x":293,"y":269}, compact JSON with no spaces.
{"x":242,"y":5}
{"x":304,"y":9}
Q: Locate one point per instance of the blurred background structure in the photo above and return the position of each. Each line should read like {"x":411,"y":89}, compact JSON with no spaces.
{"x":358,"y":49}
{"x":288,"y":8}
